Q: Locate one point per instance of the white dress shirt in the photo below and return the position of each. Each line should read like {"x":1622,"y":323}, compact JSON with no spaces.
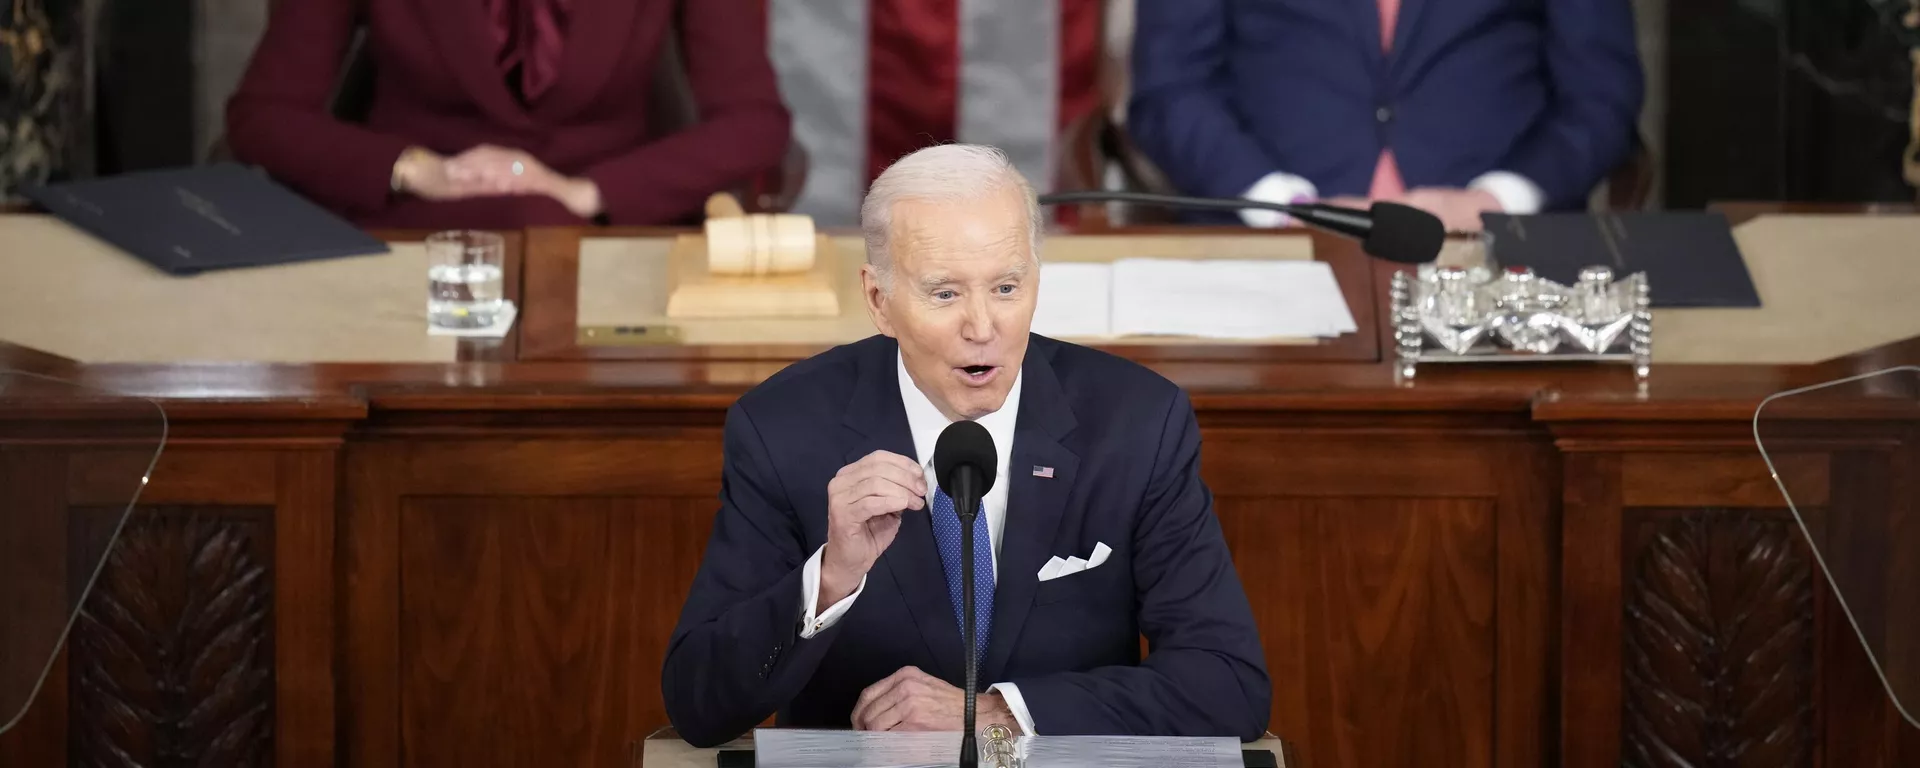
{"x":927,"y":422}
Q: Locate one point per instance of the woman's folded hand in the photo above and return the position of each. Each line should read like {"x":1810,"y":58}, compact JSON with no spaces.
{"x":492,"y":170}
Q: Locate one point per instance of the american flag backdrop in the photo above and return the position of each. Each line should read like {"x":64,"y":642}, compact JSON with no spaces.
{"x":871,"y":80}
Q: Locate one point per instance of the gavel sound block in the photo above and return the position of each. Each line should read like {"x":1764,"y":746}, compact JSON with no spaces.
{"x":752,"y":266}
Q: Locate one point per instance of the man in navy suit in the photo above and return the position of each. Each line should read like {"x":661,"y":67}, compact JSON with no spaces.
{"x":829,"y":590}
{"x":1455,"y":106}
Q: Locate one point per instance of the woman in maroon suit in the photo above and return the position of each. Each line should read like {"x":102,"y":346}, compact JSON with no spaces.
{"x":502,"y":113}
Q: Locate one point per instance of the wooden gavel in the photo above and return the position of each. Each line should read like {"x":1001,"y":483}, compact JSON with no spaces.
{"x":740,"y":244}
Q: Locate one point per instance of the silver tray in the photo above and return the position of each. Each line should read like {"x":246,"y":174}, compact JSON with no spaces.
{"x":1450,"y":314}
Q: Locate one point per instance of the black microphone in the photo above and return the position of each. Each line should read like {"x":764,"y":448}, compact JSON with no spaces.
{"x":964,"y":463}
{"x":1398,"y":233}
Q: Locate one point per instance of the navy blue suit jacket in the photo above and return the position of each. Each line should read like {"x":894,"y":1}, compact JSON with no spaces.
{"x":1125,"y":451}
{"x":1227,"y":91}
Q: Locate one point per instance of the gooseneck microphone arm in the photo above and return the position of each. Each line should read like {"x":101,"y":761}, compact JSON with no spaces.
{"x":1358,"y":218}
{"x":966,"y":502}
{"x":1390,"y":231}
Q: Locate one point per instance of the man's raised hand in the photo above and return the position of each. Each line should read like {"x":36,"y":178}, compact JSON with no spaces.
{"x":864,"y":502}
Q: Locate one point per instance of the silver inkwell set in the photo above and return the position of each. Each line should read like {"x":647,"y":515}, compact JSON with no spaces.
{"x":1486,"y":314}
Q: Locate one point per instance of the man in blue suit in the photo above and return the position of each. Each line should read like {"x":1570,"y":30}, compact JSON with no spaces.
{"x":830,"y":587}
{"x":1455,"y":106}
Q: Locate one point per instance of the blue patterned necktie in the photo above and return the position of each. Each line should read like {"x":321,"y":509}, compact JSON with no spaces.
{"x":947,"y":531}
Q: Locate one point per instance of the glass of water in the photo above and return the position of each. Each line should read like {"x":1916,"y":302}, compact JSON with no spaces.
{"x":466,"y":279}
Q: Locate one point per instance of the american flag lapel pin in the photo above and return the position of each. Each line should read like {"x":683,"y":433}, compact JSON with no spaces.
{"x":1040,"y":471}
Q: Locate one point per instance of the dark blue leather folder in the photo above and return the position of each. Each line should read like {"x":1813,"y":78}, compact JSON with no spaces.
{"x":189,"y":220}
{"x":1690,"y":257}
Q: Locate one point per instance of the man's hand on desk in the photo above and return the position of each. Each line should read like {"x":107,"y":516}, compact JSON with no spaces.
{"x":864,"y":502}
{"x":912,"y":700}
{"x":1459,"y":209}
{"x":491,"y":170}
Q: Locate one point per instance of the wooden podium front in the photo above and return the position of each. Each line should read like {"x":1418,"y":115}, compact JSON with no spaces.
{"x":479,"y":561}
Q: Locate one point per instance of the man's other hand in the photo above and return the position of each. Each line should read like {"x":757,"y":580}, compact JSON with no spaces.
{"x":864,"y":502}
{"x":1459,"y":209}
{"x":912,"y":700}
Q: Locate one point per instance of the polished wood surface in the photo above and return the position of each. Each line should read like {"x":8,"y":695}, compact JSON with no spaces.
{"x":480,"y":562}
{"x":473,"y":573}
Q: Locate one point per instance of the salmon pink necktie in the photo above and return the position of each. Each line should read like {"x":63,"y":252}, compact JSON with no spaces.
{"x":1386,"y":175}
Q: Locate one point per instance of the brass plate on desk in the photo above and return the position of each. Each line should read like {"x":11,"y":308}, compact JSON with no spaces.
{"x":628,"y":335}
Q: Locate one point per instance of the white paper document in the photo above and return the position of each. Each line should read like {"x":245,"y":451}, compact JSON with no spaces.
{"x":810,"y":748}
{"x":1203,"y":298}
{"x":816,"y":748}
{"x":1129,"y":752}
{"x":1076,"y":300}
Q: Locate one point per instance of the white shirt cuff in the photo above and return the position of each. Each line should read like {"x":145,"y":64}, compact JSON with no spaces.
{"x":1517,"y":194}
{"x":1015,"y":704}
{"x":1276,"y":188}
{"x":811,"y":624}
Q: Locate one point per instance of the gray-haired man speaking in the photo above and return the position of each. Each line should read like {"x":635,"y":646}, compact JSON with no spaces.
{"x":831,"y":588}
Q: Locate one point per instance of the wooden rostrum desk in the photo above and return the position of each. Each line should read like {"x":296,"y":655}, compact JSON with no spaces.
{"x":473,"y":552}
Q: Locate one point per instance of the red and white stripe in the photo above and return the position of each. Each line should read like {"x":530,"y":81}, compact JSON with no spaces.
{"x":871,"y":80}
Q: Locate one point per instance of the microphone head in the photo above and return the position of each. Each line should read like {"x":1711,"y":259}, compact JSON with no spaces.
{"x":1404,"y":234}
{"x":964,"y":444}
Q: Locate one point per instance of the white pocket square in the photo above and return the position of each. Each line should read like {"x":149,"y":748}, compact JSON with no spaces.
{"x":1056,"y":567}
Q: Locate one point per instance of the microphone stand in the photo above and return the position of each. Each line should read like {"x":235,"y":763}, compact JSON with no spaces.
{"x":1391,"y":231}
{"x":967,"y":504}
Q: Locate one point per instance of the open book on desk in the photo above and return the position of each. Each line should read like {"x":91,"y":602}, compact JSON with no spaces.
{"x":1230,"y":299}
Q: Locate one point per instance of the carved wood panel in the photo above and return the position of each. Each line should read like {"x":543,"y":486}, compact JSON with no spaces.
{"x":172,"y":654}
{"x":1719,"y":642}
